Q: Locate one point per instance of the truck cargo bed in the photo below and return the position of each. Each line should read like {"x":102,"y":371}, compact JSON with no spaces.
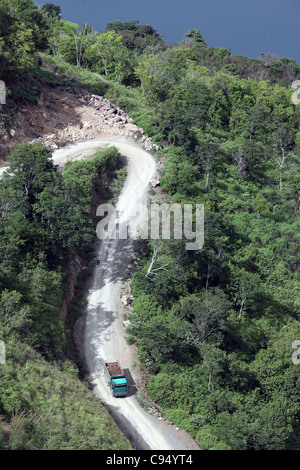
{"x":114,"y":369}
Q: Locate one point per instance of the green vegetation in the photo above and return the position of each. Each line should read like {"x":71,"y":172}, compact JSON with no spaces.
{"x":46,"y":222}
{"x":214,"y":327}
{"x":50,"y":408}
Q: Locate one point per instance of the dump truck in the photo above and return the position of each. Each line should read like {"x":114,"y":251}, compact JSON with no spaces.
{"x":116,"y":379}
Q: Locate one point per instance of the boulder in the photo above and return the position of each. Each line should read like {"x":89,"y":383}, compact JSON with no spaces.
{"x":154,"y":183}
{"x":127,"y":299}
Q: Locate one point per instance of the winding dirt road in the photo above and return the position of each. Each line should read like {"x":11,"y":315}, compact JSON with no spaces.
{"x":103,"y":332}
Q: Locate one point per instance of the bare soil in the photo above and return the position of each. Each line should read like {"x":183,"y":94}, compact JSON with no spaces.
{"x":63,"y":116}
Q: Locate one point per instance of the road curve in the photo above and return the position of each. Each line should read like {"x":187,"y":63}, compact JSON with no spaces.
{"x":103,"y":332}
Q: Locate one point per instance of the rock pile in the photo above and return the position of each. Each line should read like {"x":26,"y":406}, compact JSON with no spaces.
{"x":100,"y":117}
{"x":64,"y":116}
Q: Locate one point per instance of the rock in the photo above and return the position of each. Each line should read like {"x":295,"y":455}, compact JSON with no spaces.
{"x":148,"y":144}
{"x":154,"y":183}
{"x":128,"y":288}
{"x":127,"y":299}
{"x":86,"y":125}
{"x":137,"y":134}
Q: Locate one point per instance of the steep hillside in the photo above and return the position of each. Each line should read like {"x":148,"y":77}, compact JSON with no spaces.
{"x":50,"y":408}
{"x":63,"y":115}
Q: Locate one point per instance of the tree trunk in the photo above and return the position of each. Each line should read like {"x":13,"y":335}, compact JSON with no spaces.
{"x":207,"y":179}
{"x":242,"y":306}
{"x":280,"y":181}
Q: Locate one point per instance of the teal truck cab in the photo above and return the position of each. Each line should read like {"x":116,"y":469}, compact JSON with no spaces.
{"x":116,"y":379}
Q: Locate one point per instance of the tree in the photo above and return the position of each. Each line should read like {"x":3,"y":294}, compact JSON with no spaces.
{"x":205,"y":316}
{"x":152,"y":269}
{"x":13,"y":315}
{"x":159,"y":341}
{"x":31,"y":169}
{"x":156,"y":74}
{"x":62,"y":40}
{"x":136,"y":37}
{"x":42,"y":290}
{"x":284,"y":140}
{"x":84,"y":37}
{"x":233,"y":429}
{"x":208,"y":149}
{"x":17,"y":44}
{"x":195,"y":37}
{"x":26,"y":12}
{"x":112,"y":55}
{"x":24,"y":30}
{"x":51,"y":10}
{"x":244,"y":286}
{"x":247,"y":155}
{"x":213,"y":362}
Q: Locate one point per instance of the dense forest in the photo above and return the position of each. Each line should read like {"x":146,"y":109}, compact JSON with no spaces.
{"x":214,"y":327}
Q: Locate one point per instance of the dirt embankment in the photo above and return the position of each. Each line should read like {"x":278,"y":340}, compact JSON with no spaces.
{"x":63,"y":115}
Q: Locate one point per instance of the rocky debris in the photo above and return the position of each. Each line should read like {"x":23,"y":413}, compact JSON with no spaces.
{"x":161,"y":162}
{"x":148,"y":144}
{"x":127,"y":287}
{"x":126,"y":323}
{"x":127,"y":299}
{"x":63,"y":136}
{"x":154,"y":412}
{"x":108,"y":113}
{"x":155,"y":182}
{"x":64,"y":116}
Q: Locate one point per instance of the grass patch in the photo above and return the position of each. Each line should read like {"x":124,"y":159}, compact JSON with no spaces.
{"x":45,"y":408}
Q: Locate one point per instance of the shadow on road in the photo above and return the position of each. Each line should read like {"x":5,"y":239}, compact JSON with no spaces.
{"x":127,"y":428}
{"x":132,"y":390}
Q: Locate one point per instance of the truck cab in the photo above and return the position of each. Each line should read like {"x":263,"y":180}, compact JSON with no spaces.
{"x":119,"y":387}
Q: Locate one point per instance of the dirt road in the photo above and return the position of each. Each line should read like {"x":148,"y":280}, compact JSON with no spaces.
{"x":104,"y":333}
